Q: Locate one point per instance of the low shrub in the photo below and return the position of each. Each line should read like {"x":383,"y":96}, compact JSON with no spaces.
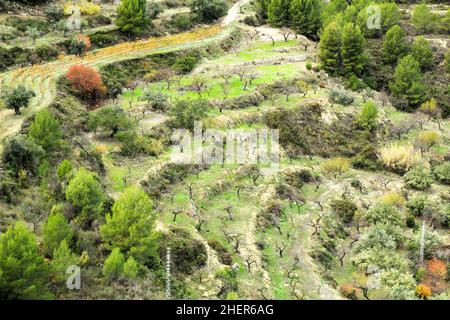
{"x":417,"y":205}
{"x":399,"y":159}
{"x":224,"y":256}
{"x":344,"y":208}
{"x":187,"y":254}
{"x":341,"y":97}
{"x":418,"y":178}
{"x":442,"y":173}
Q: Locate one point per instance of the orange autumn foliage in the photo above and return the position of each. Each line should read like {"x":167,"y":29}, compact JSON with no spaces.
{"x":348,"y":291}
{"x":423,"y":291}
{"x":86,"y":82}
{"x":436,"y":272}
{"x":85,"y":39}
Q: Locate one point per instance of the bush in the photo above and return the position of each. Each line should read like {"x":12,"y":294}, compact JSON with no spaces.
{"x":418,"y":178}
{"x":209,"y":10}
{"x":7,"y":32}
{"x":157,"y":101}
{"x":336,"y":166}
{"x":344,"y":208}
{"x":394,"y":199}
{"x":154,"y":9}
{"x":47,"y":53}
{"x":22,"y":153}
{"x":134,"y":144}
{"x":98,"y":21}
{"x":354,"y":83}
{"x":385,"y":214}
{"x":252,"y":21}
{"x":80,"y":44}
{"x":187,"y":254}
{"x":224,"y":256}
{"x":186,"y":64}
{"x":341,"y":97}
{"x":417,"y":205}
{"x":442,"y":173}
{"x":410,"y":222}
{"x":180,"y":23}
{"x":368,"y":117}
{"x":399,"y":159}
{"x":54,"y":13}
{"x":22,"y":24}
{"x":86,"y":82}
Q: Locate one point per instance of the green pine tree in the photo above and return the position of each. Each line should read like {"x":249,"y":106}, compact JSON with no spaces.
{"x":305,"y":17}
{"x":422,"y":52}
{"x":113,"y":267}
{"x":352,"y":50}
{"x":63,"y":258}
{"x":330,"y":48}
{"x":55,"y":230}
{"x":130,"y":226}
{"x":23,"y":271}
{"x":131,"y":268}
{"x":132,"y":16}
{"x":395,"y":46}
{"x":278,"y":12}
{"x":85,"y":193}
{"x":45,"y":131}
{"x":407,"y":83}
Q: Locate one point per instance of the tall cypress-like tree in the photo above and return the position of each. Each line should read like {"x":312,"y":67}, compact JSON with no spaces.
{"x":330,"y":48}
{"x":278,"y":12}
{"x":407,"y":83}
{"x":394,"y":45}
{"x":305,"y":16}
{"x":132,"y":16}
{"x":352,"y":50}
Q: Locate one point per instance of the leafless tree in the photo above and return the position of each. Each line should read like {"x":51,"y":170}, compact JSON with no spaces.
{"x":175,"y":214}
{"x":238,"y":191}
{"x":199,"y":85}
{"x":252,"y":34}
{"x":281,"y":247}
{"x":250,"y":261}
{"x":383,"y":181}
{"x":287,"y":33}
{"x":228,"y":210}
{"x":225,"y":86}
{"x":316,"y":224}
{"x":421,"y":119}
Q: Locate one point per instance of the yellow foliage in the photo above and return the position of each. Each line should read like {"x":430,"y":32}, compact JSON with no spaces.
{"x":84,"y":7}
{"x":335,"y":166}
{"x":430,"y":107}
{"x":101,"y":148}
{"x":428,"y":137}
{"x":400,"y":159}
{"x":84,"y":258}
{"x":394,"y":199}
{"x":423,"y":291}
